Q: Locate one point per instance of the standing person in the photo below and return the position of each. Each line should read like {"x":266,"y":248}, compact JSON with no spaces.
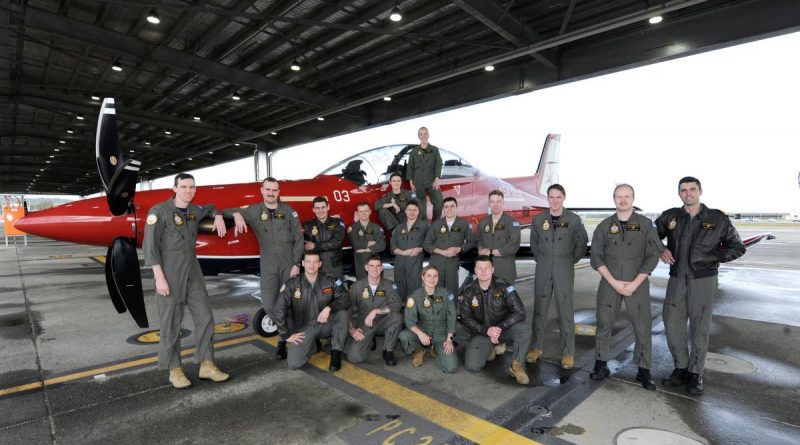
{"x":446,"y":240}
{"x":311,"y":306}
{"x":493,"y":312}
{"x":366,"y":239}
{"x":625,"y":250}
{"x":391,"y":207}
{"x":325,"y":235}
{"x":423,"y":172}
{"x":430,"y":318}
{"x":280,"y":243}
{"x":498,"y":237}
{"x":169,"y":247}
{"x":558,"y":241}
{"x":698,"y":239}
{"x":406,"y":245}
{"x":377,"y":307}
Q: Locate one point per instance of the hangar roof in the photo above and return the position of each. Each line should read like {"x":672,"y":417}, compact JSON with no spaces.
{"x":184,"y":75}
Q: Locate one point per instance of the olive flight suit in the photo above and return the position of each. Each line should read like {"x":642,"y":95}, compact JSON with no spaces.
{"x":387,"y":216}
{"x":408,"y":270}
{"x":504,"y":236}
{"x":328,"y":238}
{"x":363,"y":299}
{"x":440,"y":236}
{"x":425,"y":165}
{"x":360,"y":236}
{"x":435,"y":315}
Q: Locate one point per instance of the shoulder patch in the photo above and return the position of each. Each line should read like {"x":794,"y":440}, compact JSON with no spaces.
{"x":394,"y":286}
{"x":451,"y":297}
{"x":341,"y":223}
{"x":338,"y":283}
{"x":283,"y":288}
{"x":515,"y":223}
{"x":294,"y":214}
{"x":410,"y":303}
{"x":510,"y":289}
{"x":152,"y":219}
{"x":413,"y":195}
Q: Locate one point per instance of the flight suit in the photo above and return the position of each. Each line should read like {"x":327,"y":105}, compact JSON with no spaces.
{"x":169,"y":241}
{"x":328,"y":238}
{"x":626,"y":252}
{"x":500,"y":306}
{"x":280,"y":243}
{"x":459,"y":234}
{"x":364,"y":300}
{"x":504,"y":236}
{"x":298,"y":306}
{"x":359,"y":237}
{"x":425,"y":165}
{"x":556,"y":246}
{"x":436,"y":316}
{"x":387,"y":216}
{"x":408,"y":270}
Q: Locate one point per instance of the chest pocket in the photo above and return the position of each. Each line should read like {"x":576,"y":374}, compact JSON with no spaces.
{"x":279,"y":228}
{"x":173,"y":237}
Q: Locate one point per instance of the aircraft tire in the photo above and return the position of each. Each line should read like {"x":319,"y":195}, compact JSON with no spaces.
{"x":263,"y":325}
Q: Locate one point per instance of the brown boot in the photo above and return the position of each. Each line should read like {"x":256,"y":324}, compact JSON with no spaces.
{"x":567,"y":362}
{"x":492,"y":355}
{"x":419,"y":357}
{"x":178,"y":378}
{"x":533,"y":355}
{"x":500,"y":349}
{"x":208,"y":370}
{"x":518,"y":372}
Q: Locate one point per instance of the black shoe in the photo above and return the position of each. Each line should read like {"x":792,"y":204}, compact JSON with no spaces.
{"x":388,"y":357}
{"x":679,"y":377}
{"x":695,"y":384}
{"x":280,"y":354}
{"x":600,"y":370}
{"x":318,"y":345}
{"x":644,"y":377}
{"x":336,"y":361}
{"x":374,"y":344}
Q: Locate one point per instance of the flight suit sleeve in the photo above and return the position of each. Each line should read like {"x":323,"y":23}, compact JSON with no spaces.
{"x":281,"y":310}
{"x":597,"y":257}
{"x":297,"y":237}
{"x":380,"y":241}
{"x":467,"y":317}
{"x":580,"y":240}
{"x":661,"y":225}
{"x":469,"y":239}
{"x":451,"y":313}
{"x":651,"y":252}
{"x":393,"y":241}
{"x":535,"y":236}
{"x":379,"y":203}
{"x":517,"y":309}
{"x":731,"y":245}
{"x":512,"y":246}
{"x":410,"y":316}
{"x":393,"y":301}
{"x":153,"y":231}
{"x":437,"y":166}
{"x":336,"y":241}
{"x":208,"y":210}
{"x":430,"y":240}
{"x":352,"y":235}
{"x":410,"y":167}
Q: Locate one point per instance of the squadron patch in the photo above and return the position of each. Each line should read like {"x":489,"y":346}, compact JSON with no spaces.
{"x":426,"y":302}
{"x":365,"y":294}
{"x":177,"y":219}
{"x":297,"y":294}
{"x":546,"y":225}
{"x":283,"y":288}
{"x":403,"y":231}
{"x":437,"y":299}
{"x":314,"y":231}
{"x":443,"y":229}
{"x":475,"y":302}
{"x":152,"y":219}
{"x":338,"y":283}
{"x":380,"y":293}
{"x":486,"y":228}
{"x":672,"y":224}
{"x":360,"y":232}
{"x":499,"y":227}
{"x":280,"y":215}
{"x":410,"y":303}
{"x":614,"y":229}
{"x":264,"y":216}
{"x":294,"y":214}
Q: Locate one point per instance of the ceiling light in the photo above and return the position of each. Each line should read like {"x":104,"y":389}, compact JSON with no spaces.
{"x":152,"y":17}
{"x":56,"y":149}
{"x":146,"y":142}
{"x":295,"y":66}
{"x":116,"y":66}
{"x":70,"y":131}
{"x":655,"y":19}
{"x":172,"y":163}
{"x":320,"y":118}
{"x":188,"y":159}
{"x":236,"y":144}
{"x":211,"y":152}
{"x":41,"y":169}
{"x":62,"y":141}
{"x":79,"y":117}
{"x":38,"y":175}
{"x":197,"y":118}
{"x":387,"y":98}
{"x":273,"y":133}
{"x":47,"y":161}
{"x":167,"y":132}
{"x":489,"y":68}
{"x":133,"y":151}
{"x":396,"y":16}
{"x":94,"y":97}
{"x":52,"y":156}
{"x":236,"y":97}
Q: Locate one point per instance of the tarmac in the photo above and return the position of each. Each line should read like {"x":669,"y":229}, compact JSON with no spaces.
{"x":72,"y":370}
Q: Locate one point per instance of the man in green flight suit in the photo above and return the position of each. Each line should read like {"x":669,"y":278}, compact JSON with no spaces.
{"x":366,"y":239}
{"x":499,"y":237}
{"x":423,"y":172}
{"x":391,"y":207}
{"x":325,"y":235}
{"x":447,"y":239}
{"x":406,"y":245}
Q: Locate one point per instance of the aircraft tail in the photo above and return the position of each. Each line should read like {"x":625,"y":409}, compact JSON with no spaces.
{"x":547,"y":170}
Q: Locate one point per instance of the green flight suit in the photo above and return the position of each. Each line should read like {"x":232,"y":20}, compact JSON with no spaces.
{"x":556,"y":246}
{"x":436,"y":316}
{"x":425,"y":165}
{"x":360,"y":236}
{"x":504,"y":236}
{"x":169,"y":241}
{"x":328,"y":239}
{"x":364,"y":300}
{"x":459,"y":234}
{"x":408,"y":270}
{"x":626,"y":252}
{"x":387,"y":216}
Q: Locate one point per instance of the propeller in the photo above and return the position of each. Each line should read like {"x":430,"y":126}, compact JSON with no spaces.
{"x":118,"y":175}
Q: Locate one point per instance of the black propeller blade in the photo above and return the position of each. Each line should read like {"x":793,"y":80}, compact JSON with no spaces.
{"x":116,"y":298}
{"x":127,"y":279}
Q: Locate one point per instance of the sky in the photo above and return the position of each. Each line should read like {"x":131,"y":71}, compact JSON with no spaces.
{"x":728,"y":117}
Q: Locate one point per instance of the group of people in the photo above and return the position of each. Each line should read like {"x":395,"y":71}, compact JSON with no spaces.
{"x":303,"y":292}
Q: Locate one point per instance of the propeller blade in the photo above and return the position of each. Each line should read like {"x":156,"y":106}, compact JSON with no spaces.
{"x":118,"y":176}
{"x":127,"y":278}
{"x":116,"y":298}
{"x":122,"y":187}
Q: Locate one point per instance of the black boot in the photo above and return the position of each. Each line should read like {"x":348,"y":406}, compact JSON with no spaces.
{"x":336,"y":361}
{"x":695,"y":384}
{"x":280,"y":354}
{"x":374,"y":344}
{"x":644,"y":377}
{"x":600,"y":370}
{"x":388,"y":357}
{"x":679,"y":377}
{"x":318,"y":345}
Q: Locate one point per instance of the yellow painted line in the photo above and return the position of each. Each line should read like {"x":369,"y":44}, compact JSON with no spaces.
{"x":99,"y":259}
{"x":115,"y":367}
{"x":459,"y":422}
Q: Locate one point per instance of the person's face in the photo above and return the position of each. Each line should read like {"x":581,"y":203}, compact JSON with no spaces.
{"x":484,"y":270}
{"x":412,"y":212}
{"x":496,"y":203}
{"x":450,"y":209}
{"x":363,"y":213}
{"x":555,"y":199}
{"x":374,"y":269}
{"x":396,"y":182}
{"x":623,"y":199}
{"x":690,"y":193}
{"x":185,"y":190}
{"x":321,"y":210}
{"x":312,"y":263}
{"x":423,"y":135}
{"x":430,"y":278}
{"x":270,"y":192}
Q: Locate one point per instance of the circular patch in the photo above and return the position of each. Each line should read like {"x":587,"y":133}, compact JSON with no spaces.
{"x":112,"y":160}
{"x":152,"y":337}
{"x":410,"y":303}
{"x":728,"y":364}
{"x":151,"y":219}
{"x":638,"y":436}
{"x":228,"y":328}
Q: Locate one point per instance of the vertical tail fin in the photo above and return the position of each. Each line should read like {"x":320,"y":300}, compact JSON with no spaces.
{"x":546,"y":172}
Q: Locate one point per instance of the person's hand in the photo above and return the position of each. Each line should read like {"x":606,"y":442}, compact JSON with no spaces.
{"x":240,"y":225}
{"x":494,"y":334}
{"x":357,"y":334}
{"x":619,"y":286}
{"x":294,"y":270}
{"x":424,"y":338}
{"x":666,"y":256}
{"x":496,"y":252}
{"x":370,"y":243}
{"x":629,"y":288}
{"x":413,"y":188}
{"x":297,"y":338}
{"x":219,"y":226}
{"x":448,"y":346}
{"x":323,"y":315}
{"x":436,"y":183}
{"x":370,"y":320}
{"x":162,"y":287}
{"x":484,"y":251}
{"x":308,"y":245}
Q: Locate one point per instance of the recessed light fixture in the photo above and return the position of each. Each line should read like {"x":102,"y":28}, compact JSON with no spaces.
{"x":167,"y":132}
{"x":655,"y":19}
{"x":56,"y":149}
{"x":211,"y":152}
{"x":236,"y":96}
{"x":146,"y":142}
{"x":116,"y":66}
{"x":95,"y":97}
{"x":62,"y":141}
{"x":387,"y":98}
{"x":52,"y":156}
{"x":235,"y":144}
{"x":79,"y":117}
{"x":395,"y":15}
{"x":321,"y":118}
{"x":132,"y":151}
{"x":489,"y":68}
{"x":188,"y":159}
{"x":47,"y":161}
{"x":197,"y":118}
{"x":70,"y":131}
{"x":152,"y":17}
{"x":273,"y":133}
{"x":295,"y":66}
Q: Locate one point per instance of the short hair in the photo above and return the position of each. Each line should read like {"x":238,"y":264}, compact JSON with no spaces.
{"x":686,"y":179}
{"x":319,"y":199}
{"x":363,"y":203}
{"x":375,"y":257}
{"x":308,"y":253}
{"x":619,"y":186}
{"x":449,"y":199}
{"x":558,"y":187}
{"x":398,"y":174}
{"x":420,"y":129}
{"x":484,"y":258}
{"x":180,"y":177}
{"x":430,"y":267}
{"x":496,"y":193}
{"x":269,"y":179}
{"x":414,"y":203}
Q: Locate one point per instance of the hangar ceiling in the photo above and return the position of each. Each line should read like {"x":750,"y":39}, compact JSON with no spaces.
{"x":213,"y":80}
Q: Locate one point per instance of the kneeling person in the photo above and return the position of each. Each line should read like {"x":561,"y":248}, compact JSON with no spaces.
{"x":311,"y":306}
{"x":377,"y":305}
{"x":493,"y":312}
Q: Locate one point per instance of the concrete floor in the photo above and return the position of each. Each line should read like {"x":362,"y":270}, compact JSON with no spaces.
{"x":59,"y":330}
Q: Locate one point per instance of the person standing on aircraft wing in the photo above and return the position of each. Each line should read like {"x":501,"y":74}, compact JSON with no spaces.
{"x":698,"y":239}
{"x":325,"y":235}
{"x":625,"y":250}
{"x":499,"y":237}
{"x":406,"y":245}
{"x":280,"y":242}
{"x":447,"y":239}
{"x":169,"y":247}
{"x":558,"y":241}
{"x":377,"y":309}
{"x":366,"y":239}
{"x":391,"y":207}
{"x":311,"y":306}
{"x":423,"y":171}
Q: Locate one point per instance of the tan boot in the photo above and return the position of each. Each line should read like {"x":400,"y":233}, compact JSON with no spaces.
{"x":178,"y":378}
{"x":492,"y":355}
{"x":433,"y":351}
{"x":419,"y":357}
{"x":518,"y":372}
{"x":208,"y":370}
{"x":500,"y":349}
{"x":567,"y":362}
{"x":533,"y":355}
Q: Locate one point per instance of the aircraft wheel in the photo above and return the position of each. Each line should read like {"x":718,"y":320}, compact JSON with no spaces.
{"x":263,"y":325}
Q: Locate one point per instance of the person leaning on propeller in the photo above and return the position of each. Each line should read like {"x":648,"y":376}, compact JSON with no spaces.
{"x":169,"y":247}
